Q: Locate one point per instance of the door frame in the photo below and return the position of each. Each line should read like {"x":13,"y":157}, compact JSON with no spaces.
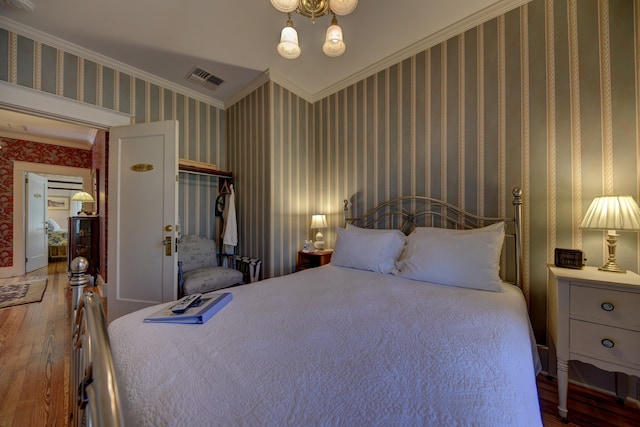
{"x":31,"y":101}
{"x":19,"y":222}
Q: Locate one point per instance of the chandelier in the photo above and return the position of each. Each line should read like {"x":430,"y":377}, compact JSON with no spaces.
{"x":334,"y":44}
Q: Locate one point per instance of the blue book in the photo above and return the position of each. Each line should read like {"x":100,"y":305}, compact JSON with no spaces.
{"x":197,"y":313}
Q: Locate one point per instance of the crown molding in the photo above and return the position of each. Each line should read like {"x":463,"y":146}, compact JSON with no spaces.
{"x":273,"y":77}
{"x":255,"y":84}
{"x":103,"y":60}
{"x":289,"y":85}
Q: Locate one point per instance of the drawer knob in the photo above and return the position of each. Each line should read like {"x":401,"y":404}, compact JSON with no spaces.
{"x":607,"y":343}
{"x":607,"y":306}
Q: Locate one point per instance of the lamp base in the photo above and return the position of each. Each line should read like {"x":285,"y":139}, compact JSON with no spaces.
{"x":612,"y":267}
{"x":319,"y":244}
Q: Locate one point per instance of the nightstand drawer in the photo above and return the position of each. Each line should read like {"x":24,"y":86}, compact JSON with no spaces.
{"x":605,"y":306}
{"x":590,"y":339}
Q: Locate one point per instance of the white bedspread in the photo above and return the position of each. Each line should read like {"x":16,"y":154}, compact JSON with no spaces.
{"x":334,"y":346}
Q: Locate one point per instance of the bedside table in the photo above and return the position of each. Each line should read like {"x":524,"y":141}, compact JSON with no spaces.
{"x":593,"y":317}
{"x":313,"y":259}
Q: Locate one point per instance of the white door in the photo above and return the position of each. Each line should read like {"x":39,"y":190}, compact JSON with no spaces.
{"x":143,"y":212}
{"x":36,"y":253}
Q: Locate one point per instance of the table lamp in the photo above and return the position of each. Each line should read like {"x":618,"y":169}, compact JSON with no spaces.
{"x":82,"y":197}
{"x":319,"y":222}
{"x":612,"y":213}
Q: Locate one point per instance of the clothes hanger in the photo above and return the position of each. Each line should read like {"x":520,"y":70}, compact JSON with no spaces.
{"x":225,"y":188}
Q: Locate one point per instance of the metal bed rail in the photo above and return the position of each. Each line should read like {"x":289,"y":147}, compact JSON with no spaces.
{"x":94,"y":392}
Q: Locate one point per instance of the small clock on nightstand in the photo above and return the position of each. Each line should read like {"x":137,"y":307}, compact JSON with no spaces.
{"x":313,"y":259}
{"x":569,"y":258}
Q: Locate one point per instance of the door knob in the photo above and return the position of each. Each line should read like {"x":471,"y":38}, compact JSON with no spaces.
{"x":168,"y":228}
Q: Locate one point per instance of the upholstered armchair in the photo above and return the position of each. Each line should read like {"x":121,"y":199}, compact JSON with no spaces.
{"x":198,"y":271}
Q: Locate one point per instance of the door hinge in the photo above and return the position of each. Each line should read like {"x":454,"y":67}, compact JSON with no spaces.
{"x":26,"y":260}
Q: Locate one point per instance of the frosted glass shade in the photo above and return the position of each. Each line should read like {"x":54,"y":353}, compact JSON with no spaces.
{"x":342,"y":7}
{"x":612,"y":213}
{"x":334,"y":45}
{"x":285,"y":6}
{"x":288,"y":47}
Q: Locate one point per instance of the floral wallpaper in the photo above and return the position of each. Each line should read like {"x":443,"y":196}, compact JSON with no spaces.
{"x":27,"y":151}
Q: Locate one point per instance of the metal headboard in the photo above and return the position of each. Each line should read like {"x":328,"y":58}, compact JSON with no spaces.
{"x":408,"y":212}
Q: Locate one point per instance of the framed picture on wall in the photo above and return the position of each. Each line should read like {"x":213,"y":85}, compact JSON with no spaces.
{"x":58,"y":203}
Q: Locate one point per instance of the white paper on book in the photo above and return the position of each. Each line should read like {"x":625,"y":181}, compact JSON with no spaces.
{"x":198,"y":313}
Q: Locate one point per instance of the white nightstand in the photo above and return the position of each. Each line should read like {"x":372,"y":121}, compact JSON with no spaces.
{"x":594,"y":317}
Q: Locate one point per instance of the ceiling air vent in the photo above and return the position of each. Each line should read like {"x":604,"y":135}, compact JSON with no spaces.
{"x":204,"y":78}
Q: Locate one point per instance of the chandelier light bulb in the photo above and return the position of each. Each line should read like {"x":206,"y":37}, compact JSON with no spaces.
{"x":334,"y":44}
{"x":342,"y":7}
{"x":285,"y":6}
{"x":288,"y":47}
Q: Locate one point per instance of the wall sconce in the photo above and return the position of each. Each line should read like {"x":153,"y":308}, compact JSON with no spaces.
{"x":612,"y":213}
{"x":82,"y":197}
{"x":319,"y":222}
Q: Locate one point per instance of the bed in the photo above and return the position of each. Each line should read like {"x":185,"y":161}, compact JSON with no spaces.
{"x":363,"y":341}
{"x":57,"y":240}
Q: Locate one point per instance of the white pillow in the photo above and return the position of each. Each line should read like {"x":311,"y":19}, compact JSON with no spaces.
{"x":368,"y":249}
{"x":52,"y":225}
{"x":465,"y":258}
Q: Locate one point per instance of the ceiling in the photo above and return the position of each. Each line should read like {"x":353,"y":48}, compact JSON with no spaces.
{"x":162,"y":40}
{"x":236,"y":39}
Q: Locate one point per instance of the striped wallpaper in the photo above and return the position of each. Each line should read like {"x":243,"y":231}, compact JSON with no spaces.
{"x":38,"y":65}
{"x":544,"y":97}
{"x":250,"y":157}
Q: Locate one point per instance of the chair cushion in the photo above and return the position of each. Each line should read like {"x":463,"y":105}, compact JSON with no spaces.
{"x":197,"y":252}
{"x":208,"y":279}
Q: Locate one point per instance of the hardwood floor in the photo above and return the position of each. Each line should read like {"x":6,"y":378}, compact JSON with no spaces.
{"x":35,"y":353}
{"x":586,"y":407}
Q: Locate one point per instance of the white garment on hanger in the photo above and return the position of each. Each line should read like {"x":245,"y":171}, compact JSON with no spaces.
{"x":230,"y":232}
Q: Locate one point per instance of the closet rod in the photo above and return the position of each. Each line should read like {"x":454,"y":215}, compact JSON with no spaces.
{"x":203,"y":173}
{"x":219,"y":174}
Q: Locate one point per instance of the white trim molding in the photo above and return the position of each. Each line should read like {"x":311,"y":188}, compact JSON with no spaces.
{"x":31,"y":101}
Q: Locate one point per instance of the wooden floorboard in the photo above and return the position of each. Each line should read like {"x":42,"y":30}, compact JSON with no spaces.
{"x":586,"y":407}
{"x":35,"y":354}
